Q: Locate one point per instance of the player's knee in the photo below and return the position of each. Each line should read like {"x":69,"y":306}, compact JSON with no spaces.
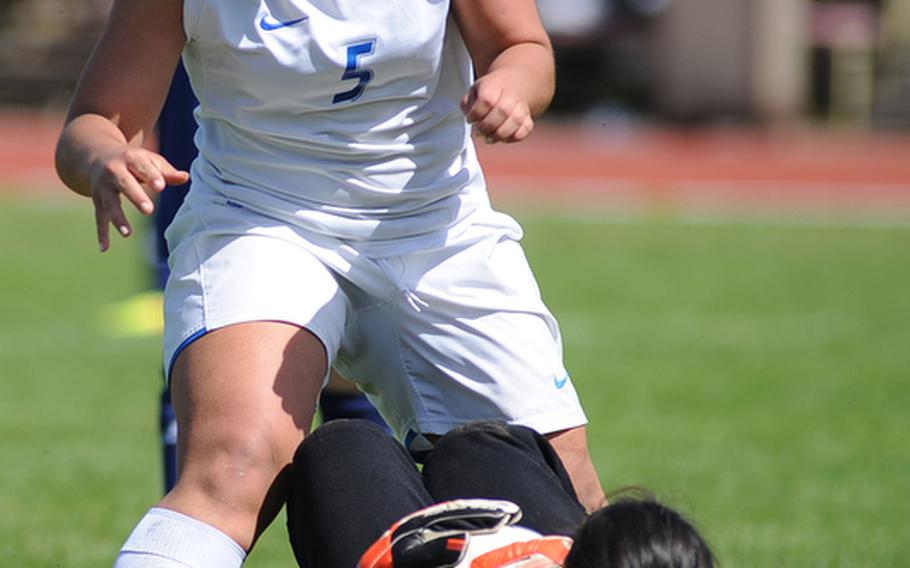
{"x":239,"y":469}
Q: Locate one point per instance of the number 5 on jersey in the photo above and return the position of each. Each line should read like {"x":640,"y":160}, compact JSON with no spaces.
{"x":354,"y":71}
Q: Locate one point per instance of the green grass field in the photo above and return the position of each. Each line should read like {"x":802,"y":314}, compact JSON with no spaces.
{"x":754,"y":376}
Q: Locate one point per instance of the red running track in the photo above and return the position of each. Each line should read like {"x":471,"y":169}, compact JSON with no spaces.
{"x":579,"y":163}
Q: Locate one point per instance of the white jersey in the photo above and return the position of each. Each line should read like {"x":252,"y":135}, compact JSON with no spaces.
{"x":339,"y":116}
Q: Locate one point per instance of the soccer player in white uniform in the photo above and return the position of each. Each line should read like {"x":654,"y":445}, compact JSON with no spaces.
{"x":338,"y":217}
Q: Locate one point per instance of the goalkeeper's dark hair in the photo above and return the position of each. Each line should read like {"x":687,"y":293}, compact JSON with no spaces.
{"x":637,"y":531}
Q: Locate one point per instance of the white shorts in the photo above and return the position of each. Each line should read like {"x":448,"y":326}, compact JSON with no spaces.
{"x":435,"y":338}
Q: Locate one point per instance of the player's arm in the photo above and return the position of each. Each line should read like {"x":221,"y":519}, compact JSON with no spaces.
{"x":514,"y":62}
{"x":114,"y":109}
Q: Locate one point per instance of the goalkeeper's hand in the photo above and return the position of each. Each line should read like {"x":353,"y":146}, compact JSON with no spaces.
{"x":465,"y":532}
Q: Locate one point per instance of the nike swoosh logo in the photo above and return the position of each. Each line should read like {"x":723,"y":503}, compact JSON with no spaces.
{"x":559,"y":383}
{"x":268,"y":23}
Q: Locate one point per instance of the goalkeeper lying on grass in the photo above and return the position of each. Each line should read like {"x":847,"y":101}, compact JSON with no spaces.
{"x":489,"y":495}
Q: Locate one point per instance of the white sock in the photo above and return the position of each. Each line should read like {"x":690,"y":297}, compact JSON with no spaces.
{"x":168,"y":539}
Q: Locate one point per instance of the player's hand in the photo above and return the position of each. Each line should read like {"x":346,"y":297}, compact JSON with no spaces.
{"x":134,"y":173}
{"x":496,"y":111}
{"x":438,"y":535}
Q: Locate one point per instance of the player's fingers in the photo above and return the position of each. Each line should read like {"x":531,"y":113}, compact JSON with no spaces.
{"x":117,"y":176}
{"x":172,"y":175}
{"x":484,"y":98}
{"x":467,"y":102}
{"x":102,"y":227}
{"x":176,"y":177}
{"x":504,"y":122}
{"x":119,"y":220}
{"x":144,"y":169}
{"x":109,"y":203}
{"x":515,"y":129}
{"x":490,"y":124}
{"x":527,"y":126}
{"x":130,"y":187}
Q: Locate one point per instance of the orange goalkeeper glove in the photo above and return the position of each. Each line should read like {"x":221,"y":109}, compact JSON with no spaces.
{"x":462,"y":533}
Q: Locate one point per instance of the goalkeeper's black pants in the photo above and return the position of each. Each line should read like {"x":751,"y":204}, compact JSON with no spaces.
{"x":351,"y":481}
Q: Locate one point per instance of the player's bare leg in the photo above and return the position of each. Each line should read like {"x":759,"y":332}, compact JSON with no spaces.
{"x":244,"y":396}
{"x":572,"y":447}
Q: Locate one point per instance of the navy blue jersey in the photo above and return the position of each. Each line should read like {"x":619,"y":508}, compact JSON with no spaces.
{"x":176,"y":130}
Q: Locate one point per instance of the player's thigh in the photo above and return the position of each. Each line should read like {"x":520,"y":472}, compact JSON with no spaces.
{"x":245,"y":391}
{"x":230,"y":266}
{"x":252,"y":323}
{"x":244,"y":396}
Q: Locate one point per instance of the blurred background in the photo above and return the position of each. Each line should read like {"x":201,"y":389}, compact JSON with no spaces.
{"x":717,"y":208}
{"x":757,"y":61}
